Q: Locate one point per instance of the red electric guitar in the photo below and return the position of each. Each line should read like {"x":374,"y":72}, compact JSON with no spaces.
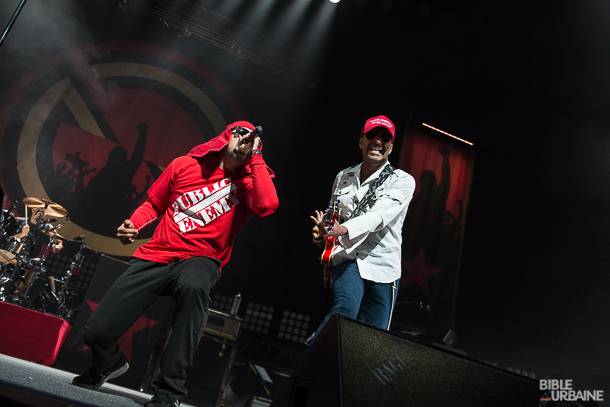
{"x":331,"y":216}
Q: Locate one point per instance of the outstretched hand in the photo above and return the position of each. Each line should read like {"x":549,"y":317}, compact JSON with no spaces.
{"x":318,"y":230}
{"x":126,"y":232}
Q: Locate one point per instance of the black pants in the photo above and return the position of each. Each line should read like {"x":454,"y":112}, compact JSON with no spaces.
{"x":188,"y":281}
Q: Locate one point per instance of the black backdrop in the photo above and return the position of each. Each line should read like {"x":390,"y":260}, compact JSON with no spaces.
{"x":527,"y":82}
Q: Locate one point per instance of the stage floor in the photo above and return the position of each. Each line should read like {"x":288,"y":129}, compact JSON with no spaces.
{"x":25,"y":383}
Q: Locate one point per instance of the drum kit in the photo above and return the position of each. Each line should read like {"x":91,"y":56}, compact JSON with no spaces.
{"x":25,"y":245}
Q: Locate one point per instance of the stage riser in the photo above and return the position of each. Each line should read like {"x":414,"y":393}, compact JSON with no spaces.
{"x":30,"y":384}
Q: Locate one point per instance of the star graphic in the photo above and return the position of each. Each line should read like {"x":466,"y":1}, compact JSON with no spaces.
{"x":418,"y":271}
{"x":126,"y":341}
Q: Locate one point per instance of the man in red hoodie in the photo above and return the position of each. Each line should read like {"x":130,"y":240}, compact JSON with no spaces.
{"x":202,"y":201}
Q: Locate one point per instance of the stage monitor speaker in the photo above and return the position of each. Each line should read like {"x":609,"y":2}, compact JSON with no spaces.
{"x":209,"y":372}
{"x":351,"y":364}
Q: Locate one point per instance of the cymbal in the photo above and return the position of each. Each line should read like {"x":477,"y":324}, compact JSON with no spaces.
{"x":7,"y":257}
{"x":55,"y":210}
{"x":53,"y":234}
{"x":33,"y":202}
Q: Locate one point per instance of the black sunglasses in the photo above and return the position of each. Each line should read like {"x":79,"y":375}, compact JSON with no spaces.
{"x":385,"y":136}
{"x":242,"y":131}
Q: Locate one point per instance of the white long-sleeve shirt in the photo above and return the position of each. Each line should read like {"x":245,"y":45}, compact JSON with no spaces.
{"x":374,"y":239}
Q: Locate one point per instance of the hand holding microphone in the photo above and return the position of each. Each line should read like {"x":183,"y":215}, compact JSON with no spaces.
{"x":257,"y":143}
{"x":251,"y":144}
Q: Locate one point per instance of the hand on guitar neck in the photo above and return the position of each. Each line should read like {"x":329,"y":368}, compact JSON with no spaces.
{"x":325,"y":231}
{"x":320,"y":230}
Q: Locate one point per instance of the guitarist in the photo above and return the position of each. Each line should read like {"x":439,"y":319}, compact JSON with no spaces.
{"x":373,"y":199}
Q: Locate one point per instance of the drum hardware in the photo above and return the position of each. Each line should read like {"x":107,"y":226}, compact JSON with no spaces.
{"x":61,"y":291}
{"x":9,"y":224}
{"x":25,"y":245}
{"x":9,"y":280}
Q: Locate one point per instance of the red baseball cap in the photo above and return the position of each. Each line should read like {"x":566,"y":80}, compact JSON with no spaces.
{"x":379,"y":121}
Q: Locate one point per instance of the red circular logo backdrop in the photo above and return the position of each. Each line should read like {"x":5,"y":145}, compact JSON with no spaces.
{"x":92,"y":129}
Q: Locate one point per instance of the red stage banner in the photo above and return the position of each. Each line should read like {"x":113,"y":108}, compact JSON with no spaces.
{"x":31,"y":335}
{"x":434,"y":227}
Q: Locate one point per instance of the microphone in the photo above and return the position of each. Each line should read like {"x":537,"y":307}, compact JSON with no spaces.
{"x":242,"y":131}
{"x":257,"y":132}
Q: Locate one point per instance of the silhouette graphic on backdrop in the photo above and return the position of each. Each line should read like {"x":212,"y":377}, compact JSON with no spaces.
{"x":432,"y":242}
{"x":110,"y":190}
{"x":70,"y":174}
{"x":117,"y":176}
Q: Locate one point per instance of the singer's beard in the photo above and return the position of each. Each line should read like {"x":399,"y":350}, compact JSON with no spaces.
{"x":241,"y":151}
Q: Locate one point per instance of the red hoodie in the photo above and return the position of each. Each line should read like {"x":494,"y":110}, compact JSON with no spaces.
{"x":202,"y":206}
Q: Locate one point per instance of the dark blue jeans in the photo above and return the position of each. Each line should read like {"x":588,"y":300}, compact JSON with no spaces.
{"x":363,"y":300}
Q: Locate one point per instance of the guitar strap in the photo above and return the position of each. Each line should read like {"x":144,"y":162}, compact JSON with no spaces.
{"x":368,"y":200}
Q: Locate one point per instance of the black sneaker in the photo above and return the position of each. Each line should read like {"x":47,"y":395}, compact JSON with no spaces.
{"x":162,"y":400}
{"x":92,"y":379}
